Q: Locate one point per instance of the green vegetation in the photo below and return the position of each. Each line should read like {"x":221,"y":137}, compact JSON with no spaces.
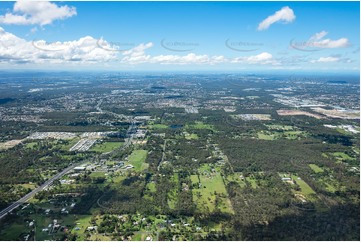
{"x":137,"y":159}
{"x":191,"y":136}
{"x":200,"y":125}
{"x":305,"y":188}
{"x":316,"y":168}
{"x":106,"y":147}
{"x":158,"y":126}
{"x":210,"y":193}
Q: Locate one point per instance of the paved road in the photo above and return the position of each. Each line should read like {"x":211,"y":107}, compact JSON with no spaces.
{"x":25,"y":198}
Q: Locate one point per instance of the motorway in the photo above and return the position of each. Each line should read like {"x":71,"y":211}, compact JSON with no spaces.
{"x":25,"y":198}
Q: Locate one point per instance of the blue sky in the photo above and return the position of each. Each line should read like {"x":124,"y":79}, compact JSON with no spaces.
{"x":256,"y":36}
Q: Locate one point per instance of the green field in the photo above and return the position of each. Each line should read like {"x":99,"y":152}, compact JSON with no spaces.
{"x":252,"y":181}
{"x":273,"y":135}
{"x":305,"y":188}
{"x":205,"y":195}
{"x":97,"y":174}
{"x":106,"y":147}
{"x":191,"y":136}
{"x":316,"y":168}
{"x":173,"y":194}
{"x":137,"y":159}
{"x":151,"y":187}
{"x":235,"y":177}
{"x":200,"y":125}
{"x":341,"y":156}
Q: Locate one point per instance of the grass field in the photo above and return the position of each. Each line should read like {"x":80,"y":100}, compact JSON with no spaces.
{"x":191,"y":136}
{"x":106,"y":147}
{"x":137,"y":159}
{"x":82,"y":222}
{"x":341,"y":156}
{"x":173,"y":194}
{"x":273,"y":135}
{"x":252,"y":181}
{"x":97,"y":174}
{"x":235,"y":177}
{"x":205,"y":195}
{"x":200,"y":125}
{"x":305,"y":188}
{"x":151,"y":187}
{"x":316,"y":168}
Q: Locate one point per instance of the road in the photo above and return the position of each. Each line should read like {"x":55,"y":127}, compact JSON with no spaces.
{"x":25,"y":198}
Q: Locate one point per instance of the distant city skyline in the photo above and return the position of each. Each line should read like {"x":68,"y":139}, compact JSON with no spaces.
{"x":180,"y":36}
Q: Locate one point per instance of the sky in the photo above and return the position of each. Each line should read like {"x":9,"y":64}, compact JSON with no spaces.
{"x":171,"y":36}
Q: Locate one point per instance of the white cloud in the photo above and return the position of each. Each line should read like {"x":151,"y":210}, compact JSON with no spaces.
{"x":85,"y":50}
{"x":263,"y":58}
{"x":34,"y":12}
{"x":285,"y":15}
{"x":318,"y":36}
{"x":88,"y":50}
{"x":325,"y":60}
{"x":317,"y":41}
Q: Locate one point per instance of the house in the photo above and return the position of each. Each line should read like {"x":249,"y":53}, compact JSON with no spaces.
{"x":92,"y":228}
{"x":79,"y":168}
{"x":286,"y":179}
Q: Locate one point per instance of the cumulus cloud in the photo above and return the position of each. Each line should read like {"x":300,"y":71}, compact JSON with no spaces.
{"x":284,"y":15}
{"x":317,"y":41}
{"x":34,"y":12}
{"x":88,"y":50}
{"x":325,"y":60}
{"x":85,"y":50}
{"x":263,"y":58}
{"x":318,"y":36}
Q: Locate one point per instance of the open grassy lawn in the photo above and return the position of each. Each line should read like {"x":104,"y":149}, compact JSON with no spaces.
{"x":316,"y":168}
{"x":151,"y":187}
{"x":236,"y":177}
{"x":272,"y":135}
{"x":305,"y":188}
{"x":200,"y":125}
{"x":106,"y":147}
{"x":205,"y":195}
{"x":82,"y":222}
{"x":342,"y":156}
{"x":137,"y":159}
{"x":265,"y":136}
{"x":97,"y":174}
{"x":252,"y":181}
{"x":173,"y":194}
{"x":191,"y":136}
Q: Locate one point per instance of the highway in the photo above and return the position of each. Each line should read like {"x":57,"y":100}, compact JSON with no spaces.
{"x":25,"y":198}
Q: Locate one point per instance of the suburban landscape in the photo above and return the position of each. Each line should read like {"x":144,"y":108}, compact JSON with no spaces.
{"x":179,"y":157}
{"x":179,"y":120}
